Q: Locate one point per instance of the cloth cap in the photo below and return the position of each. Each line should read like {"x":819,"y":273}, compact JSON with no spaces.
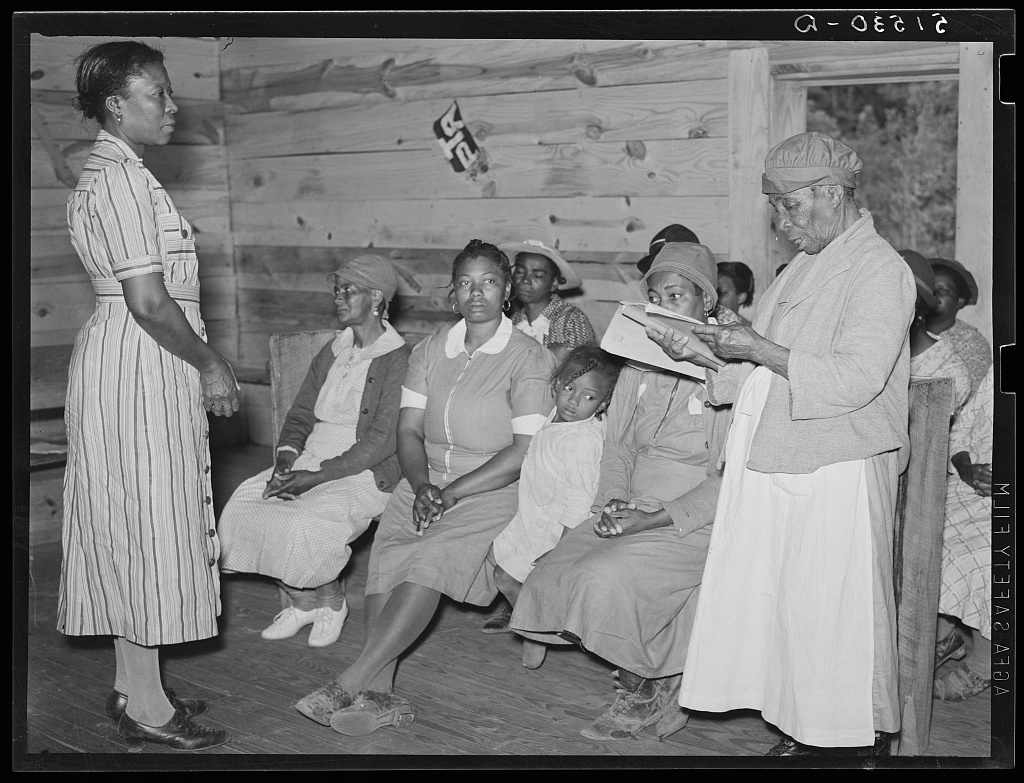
{"x":693,"y":261}
{"x":535,"y":246}
{"x":371,"y":271}
{"x":809,"y":159}
{"x":671,"y":233}
{"x":923,"y":276}
{"x":956,"y":266}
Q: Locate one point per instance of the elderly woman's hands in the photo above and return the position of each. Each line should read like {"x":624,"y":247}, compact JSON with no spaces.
{"x":621,"y":518}
{"x":729,"y":341}
{"x":285,"y":459}
{"x":288,"y":486}
{"x":674,"y":344}
{"x":220,"y":388}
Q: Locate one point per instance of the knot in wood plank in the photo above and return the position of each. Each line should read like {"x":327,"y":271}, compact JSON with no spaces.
{"x":582,"y":70}
{"x":636,"y":150}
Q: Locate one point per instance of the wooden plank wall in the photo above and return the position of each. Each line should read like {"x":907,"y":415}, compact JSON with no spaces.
{"x":593,"y":146}
{"x":193,"y":168}
{"x":294,"y":153}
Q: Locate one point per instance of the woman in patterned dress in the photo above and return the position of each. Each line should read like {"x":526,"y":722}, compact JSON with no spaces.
{"x":474,"y":396}
{"x":965,"y":596}
{"x":336,"y":463}
{"x":140,"y":546}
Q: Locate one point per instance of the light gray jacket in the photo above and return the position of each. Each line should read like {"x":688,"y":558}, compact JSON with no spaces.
{"x":845,"y":315}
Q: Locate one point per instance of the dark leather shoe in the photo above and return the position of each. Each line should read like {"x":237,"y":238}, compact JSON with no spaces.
{"x":788,"y":746}
{"x":117,"y":702}
{"x":179,"y":733}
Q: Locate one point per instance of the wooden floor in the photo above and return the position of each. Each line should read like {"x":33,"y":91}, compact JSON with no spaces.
{"x":476,"y":705}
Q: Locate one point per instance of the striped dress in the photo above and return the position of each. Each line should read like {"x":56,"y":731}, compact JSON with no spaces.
{"x":140,"y":546}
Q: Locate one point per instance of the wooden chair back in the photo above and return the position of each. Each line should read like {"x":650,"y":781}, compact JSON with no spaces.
{"x":917,"y":557}
{"x":291,"y":354}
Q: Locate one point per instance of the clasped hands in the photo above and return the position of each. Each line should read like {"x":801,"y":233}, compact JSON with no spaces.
{"x":729,"y":341}
{"x":288,"y":484}
{"x":620,"y":518}
{"x":429,"y":505}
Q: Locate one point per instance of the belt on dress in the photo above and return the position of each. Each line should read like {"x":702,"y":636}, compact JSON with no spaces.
{"x":110,"y":291}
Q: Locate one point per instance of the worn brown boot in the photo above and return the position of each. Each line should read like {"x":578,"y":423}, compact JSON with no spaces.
{"x":630,"y":713}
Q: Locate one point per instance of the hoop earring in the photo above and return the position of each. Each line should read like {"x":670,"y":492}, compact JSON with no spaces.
{"x":455,"y":307}
{"x":507,"y":306}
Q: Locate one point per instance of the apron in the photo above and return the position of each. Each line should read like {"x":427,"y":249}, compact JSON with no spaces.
{"x":785,"y":619}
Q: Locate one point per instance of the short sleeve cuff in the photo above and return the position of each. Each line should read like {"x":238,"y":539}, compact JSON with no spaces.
{"x":411,"y":399}
{"x":135,"y":267}
{"x":528,"y":425}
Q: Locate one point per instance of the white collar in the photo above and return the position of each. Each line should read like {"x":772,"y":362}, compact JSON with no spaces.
{"x":455,"y":343}
{"x":590,"y":421}
{"x":386,"y":343}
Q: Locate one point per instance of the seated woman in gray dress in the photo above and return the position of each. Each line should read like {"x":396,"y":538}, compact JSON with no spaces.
{"x":336,"y":462}
{"x":624,"y":586}
{"x":473,"y":398}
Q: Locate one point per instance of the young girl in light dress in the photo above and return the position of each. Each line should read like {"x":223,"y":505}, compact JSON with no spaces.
{"x":560,"y":473}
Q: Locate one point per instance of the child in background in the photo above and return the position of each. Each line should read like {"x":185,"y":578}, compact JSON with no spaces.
{"x":560,"y":473}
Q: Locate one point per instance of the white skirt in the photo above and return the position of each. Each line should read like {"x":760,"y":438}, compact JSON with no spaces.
{"x":303,"y":542}
{"x":786,"y":620}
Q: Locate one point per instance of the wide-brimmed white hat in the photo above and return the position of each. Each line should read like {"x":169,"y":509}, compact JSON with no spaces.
{"x":572,"y":280}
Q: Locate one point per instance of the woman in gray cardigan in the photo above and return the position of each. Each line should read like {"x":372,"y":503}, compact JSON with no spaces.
{"x":336,"y":462}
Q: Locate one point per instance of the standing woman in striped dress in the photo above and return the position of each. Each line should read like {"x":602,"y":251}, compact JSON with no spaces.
{"x":140,"y":546}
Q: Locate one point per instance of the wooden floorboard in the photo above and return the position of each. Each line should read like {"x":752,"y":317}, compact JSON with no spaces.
{"x":474,"y":700}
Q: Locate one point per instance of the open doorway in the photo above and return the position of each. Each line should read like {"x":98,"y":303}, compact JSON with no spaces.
{"x":906,"y":133}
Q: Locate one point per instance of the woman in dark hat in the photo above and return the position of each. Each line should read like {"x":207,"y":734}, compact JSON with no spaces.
{"x":671,"y":233}
{"x":931,"y":358}
{"x":336,"y":461}
{"x":955,"y":288}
